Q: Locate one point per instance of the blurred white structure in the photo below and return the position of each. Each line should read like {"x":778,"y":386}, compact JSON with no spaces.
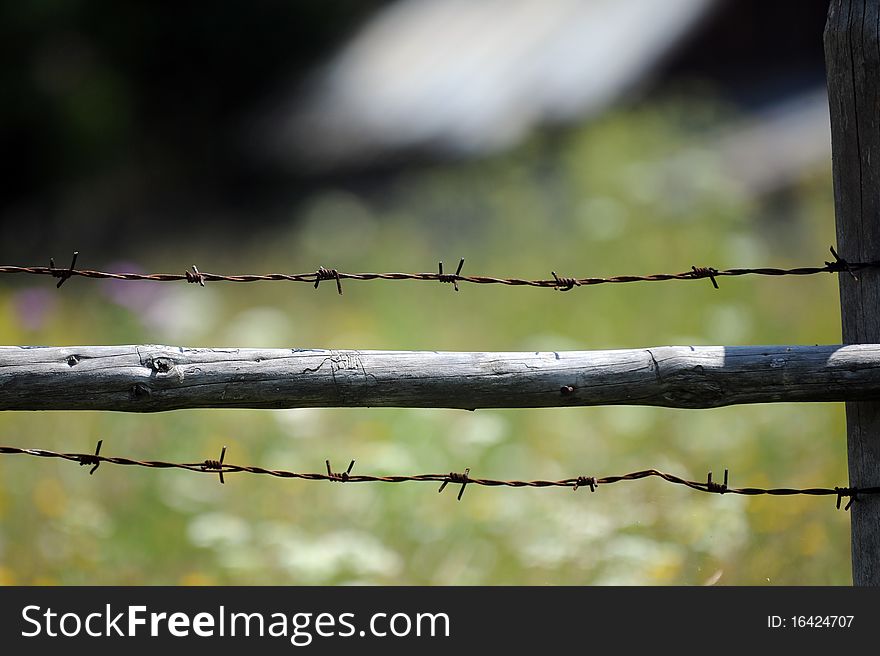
{"x":473,"y":76}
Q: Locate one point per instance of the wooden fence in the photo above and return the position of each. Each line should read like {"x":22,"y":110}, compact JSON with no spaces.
{"x":156,"y":378}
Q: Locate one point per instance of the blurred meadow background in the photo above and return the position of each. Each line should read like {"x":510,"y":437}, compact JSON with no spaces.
{"x":711,"y":148}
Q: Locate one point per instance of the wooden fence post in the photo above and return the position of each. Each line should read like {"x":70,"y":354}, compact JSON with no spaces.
{"x":852,"y":58}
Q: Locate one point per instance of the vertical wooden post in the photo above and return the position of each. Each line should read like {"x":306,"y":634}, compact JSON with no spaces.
{"x":852,"y":59}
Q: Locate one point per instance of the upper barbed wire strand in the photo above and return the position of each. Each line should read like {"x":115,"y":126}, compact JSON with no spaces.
{"x":839,"y":265}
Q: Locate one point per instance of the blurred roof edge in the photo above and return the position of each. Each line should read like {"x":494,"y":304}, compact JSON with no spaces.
{"x":466,"y":77}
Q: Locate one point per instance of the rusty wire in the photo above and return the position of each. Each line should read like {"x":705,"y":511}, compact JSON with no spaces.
{"x":462,"y":478}
{"x":557,"y":282}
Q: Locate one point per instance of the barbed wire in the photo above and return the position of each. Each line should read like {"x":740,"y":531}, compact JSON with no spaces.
{"x":557,"y":282}
{"x":220,"y":467}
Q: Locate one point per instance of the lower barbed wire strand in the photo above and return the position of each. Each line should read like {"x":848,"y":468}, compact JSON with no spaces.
{"x":213,"y":467}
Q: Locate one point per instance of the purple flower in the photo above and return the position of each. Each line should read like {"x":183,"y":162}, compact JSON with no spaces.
{"x":33,"y":306}
{"x":131,"y":294}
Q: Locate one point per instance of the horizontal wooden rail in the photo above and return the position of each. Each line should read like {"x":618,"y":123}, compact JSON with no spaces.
{"x":157,"y":378}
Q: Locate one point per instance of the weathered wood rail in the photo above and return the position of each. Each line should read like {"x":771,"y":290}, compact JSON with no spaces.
{"x":152,"y":378}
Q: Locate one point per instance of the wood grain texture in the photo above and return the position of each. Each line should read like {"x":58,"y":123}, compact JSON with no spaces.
{"x":156,"y":378}
{"x":852,"y":56}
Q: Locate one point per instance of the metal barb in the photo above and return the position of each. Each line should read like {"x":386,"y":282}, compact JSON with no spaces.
{"x":339,"y":477}
{"x":706,"y":272}
{"x":565,"y":284}
{"x":850,"y":492}
{"x":454,"y":477}
{"x":195,"y":276}
{"x":328,"y":274}
{"x":719,"y":488}
{"x":585,"y":480}
{"x":63,"y":275}
{"x":94,"y":460}
{"x":211,"y":465}
{"x":839,"y":265}
{"x":854,"y":496}
{"x":450,"y":277}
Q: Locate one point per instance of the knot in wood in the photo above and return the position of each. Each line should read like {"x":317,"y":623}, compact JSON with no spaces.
{"x":140,"y":391}
{"x":162,"y":365}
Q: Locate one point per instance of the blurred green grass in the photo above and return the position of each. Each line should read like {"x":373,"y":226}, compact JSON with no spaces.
{"x":632,"y":193}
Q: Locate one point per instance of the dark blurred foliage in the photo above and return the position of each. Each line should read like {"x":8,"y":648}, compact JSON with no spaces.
{"x":144,"y":103}
{"x":123,"y":119}
{"x":757,"y":51}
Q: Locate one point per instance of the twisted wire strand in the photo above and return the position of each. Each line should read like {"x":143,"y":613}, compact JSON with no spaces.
{"x":839,"y":265}
{"x":218,"y":466}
